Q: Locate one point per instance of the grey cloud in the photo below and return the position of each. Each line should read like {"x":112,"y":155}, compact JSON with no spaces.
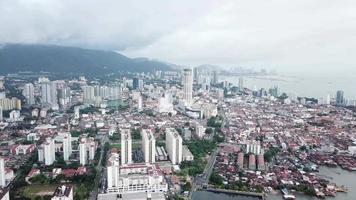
{"x":276,"y":33}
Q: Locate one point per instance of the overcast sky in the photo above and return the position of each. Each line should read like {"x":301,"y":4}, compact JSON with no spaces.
{"x":274,"y":34}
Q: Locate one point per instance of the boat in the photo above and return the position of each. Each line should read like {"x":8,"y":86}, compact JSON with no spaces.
{"x":288,"y":197}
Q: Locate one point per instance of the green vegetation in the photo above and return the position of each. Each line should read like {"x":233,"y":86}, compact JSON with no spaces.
{"x":90,"y":131}
{"x":115,"y":137}
{"x":187,"y":186}
{"x":38,"y":191}
{"x":216,"y":179}
{"x":271,"y":153}
{"x":117,"y":146}
{"x":308,"y":190}
{"x":19,"y":181}
{"x":160,"y":143}
{"x":136,"y":134}
{"x":209,"y":131}
{"x":192,"y":168}
{"x":106,"y":149}
{"x":89,"y":110}
{"x":75,"y":133}
{"x":215,"y":122}
{"x":219,"y":138}
{"x":200,"y":148}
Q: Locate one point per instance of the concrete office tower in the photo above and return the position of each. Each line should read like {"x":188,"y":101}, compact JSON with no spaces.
{"x":126,"y":147}
{"x":174,"y":145}
{"x":46,"y":93}
{"x":113,"y":170}
{"x":148,"y":146}
{"x":241,"y":84}
{"x":67,"y":146}
{"x":2,"y":172}
{"x":88,"y":94}
{"x":137,"y":83}
{"x":49,"y":151}
{"x":139,"y":103}
{"x":76,"y":112}
{"x":187,"y":86}
{"x":328,"y":99}
{"x":83,"y":153}
{"x":215,"y":77}
{"x":29,"y":93}
{"x":54,"y":94}
{"x":49,"y":93}
{"x":340,"y":100}
{"x":64,"y":95}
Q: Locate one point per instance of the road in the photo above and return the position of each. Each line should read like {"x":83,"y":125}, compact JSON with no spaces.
{"x":94,"y":193}
{"x":203,"y":179}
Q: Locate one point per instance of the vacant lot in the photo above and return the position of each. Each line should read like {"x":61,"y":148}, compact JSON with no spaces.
{"x":32,"y":191}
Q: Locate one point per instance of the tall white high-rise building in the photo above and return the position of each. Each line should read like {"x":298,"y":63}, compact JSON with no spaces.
{"x":1,"y":114}
{"x":113,"y":170}
{"x":174,"y":145}
{"x":67,"y":146}
{"x":76,"y":112}
{"x":46,"y":93}
{"x":139,"y":103}
{"x":148,"y":146}
{"x":64,"y":96}
{"x":88,"y":94}
{"x":49,"y":93}
{"x":87,"y":149}
{"x":49,"y":151}
{"x":2,"y":172}
{"x":126,"y":147}
{"x":83,"y":156}
{"x":187,"y":86}
{"x":241,"y":84}
{"x":29,"y":93}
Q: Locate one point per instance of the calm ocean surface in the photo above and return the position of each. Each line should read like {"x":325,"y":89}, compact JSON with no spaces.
{"x":336,"y":175}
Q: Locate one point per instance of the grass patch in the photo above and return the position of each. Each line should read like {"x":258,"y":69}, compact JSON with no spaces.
{"x":117,"y":146}
{"x":32,"y":191}
{"x":135,"y":145}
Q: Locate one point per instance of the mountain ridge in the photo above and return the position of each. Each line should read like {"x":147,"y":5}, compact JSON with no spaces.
{"x":64,"y":59}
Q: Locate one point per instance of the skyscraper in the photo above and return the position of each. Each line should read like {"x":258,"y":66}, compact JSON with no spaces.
{"x":187,"y":86}
{"x":241,"y":84}
{"x":215,"y":77}
{"x":148,"y":146}
{"x":1,"y":114}
{"x":67,"y":146}
{"x":48,"y":150}
{"x":139,"y":104}
{"x":126,"y":151}
{"x":2,"y":172}
{"x":76,"y":112}
{"x":137,"y":83}
{"x":88,"y":94}
{"x":113,"y":170}
{"x":46,"y":93}
{"x":83,"y":152}
{"x":64,"y":95}
{"x":174,"y":146}
{"x":29,"y":93}
{"x":49,"y":93}
{"x":340,"y":98}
